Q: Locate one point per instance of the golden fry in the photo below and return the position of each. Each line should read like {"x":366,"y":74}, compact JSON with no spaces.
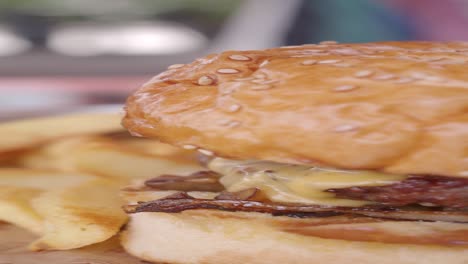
{"x":78,"y":216}
{"x":29,"y":133}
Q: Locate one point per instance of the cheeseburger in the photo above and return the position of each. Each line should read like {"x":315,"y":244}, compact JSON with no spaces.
{"x":327,"y":153}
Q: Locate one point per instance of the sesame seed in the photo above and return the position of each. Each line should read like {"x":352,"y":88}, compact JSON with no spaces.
{"x":404,"y":80}
{"x":238,"y":57}
{"x":345,"y":88}
{"x":233,"y":124}
{"x":175,"y":66}
{"x":425,"y":76}
{"x":189,"y":147}
{"x":135,"y":134}
{"x":346,"y":51}
{"x":437,"y":66}
{"x":228,"y":123}
{"x":315,"y":51}
{"x":343,"y":65}
{"x":405,"y":57}
{"x":363,"y":73}
{"x":244,"y":79}
{"x":442,"y":50}
{"x":384,"y":76}
{"x":225,"y":90}
{"x":433,"y":59}
{"x":206,"y":152}
{"x":227,"y":70}
{"x":260,"y":87}
{"x":453,"y":61}
{"x":309,"y":62}
{"x":381,"y":47}
{"x":260,"y":75}
{"x":288,"y":47}
{"x":464,"y":173}
{"x":344,"y":128}
{"x":369,"y":52}
{"x":264,"y":81}
{"x":328,"y":42}
{"x":434,"y":79}
{"x":224,"y":122}
{"x":155,"y":79}
{"x":265,"y":62}
{"x":418,"y":75}
{"x":234,"y":108}
{"x":205,"y":80}
{"x":328,"y":61}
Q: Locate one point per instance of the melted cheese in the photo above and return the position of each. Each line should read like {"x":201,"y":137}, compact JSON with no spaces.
{"x":296,"y":183}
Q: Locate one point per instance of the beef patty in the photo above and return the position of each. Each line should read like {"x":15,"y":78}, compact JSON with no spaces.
{"x":433,"y":191}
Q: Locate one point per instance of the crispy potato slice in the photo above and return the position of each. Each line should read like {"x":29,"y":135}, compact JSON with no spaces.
{"x":58,"y":155}
{"x":15,"y":208}
{"x":28,"y":133}
{"x":79,"y":216}
{"x":12,"y":251}
{"x":41,"y":179}
{"x":114,"y":161}
{"x":123,"y":158}
{"x":19,"y":186}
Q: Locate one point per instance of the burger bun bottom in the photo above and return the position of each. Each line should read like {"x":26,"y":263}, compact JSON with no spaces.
{"x":210,"y":236}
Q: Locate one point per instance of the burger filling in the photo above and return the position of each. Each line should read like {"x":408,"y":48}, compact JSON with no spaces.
{"x":305,"y":191}
{"x":320,"y":202}
{"x":333,"y":187}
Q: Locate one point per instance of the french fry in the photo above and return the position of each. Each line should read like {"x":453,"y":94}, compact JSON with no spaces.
{"x":15,"y":208}
{"x":57,"y":155}
{"x":13,"y":252}
{"x":113,"y":161}
{"x":123,"y":158}
{"x":71,"y":170}
{"x":29,"y":133}
{"x":79,"y":216}
{"x":18,"y":187}
{"x":41,"y":179}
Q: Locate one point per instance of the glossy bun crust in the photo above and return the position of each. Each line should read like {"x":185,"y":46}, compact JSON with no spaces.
{"x":399,"y":107}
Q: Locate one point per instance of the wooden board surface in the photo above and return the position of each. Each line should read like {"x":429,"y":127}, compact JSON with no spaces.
{"x":13,"y":243}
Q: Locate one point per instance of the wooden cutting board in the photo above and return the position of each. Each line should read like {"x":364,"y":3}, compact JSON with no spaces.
{"x":13,"y":243}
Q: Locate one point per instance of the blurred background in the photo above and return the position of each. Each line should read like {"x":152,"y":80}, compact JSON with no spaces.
{"x":67,"y":55}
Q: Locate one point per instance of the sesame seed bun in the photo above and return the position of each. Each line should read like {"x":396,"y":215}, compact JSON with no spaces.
{"x":398,"y":107}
